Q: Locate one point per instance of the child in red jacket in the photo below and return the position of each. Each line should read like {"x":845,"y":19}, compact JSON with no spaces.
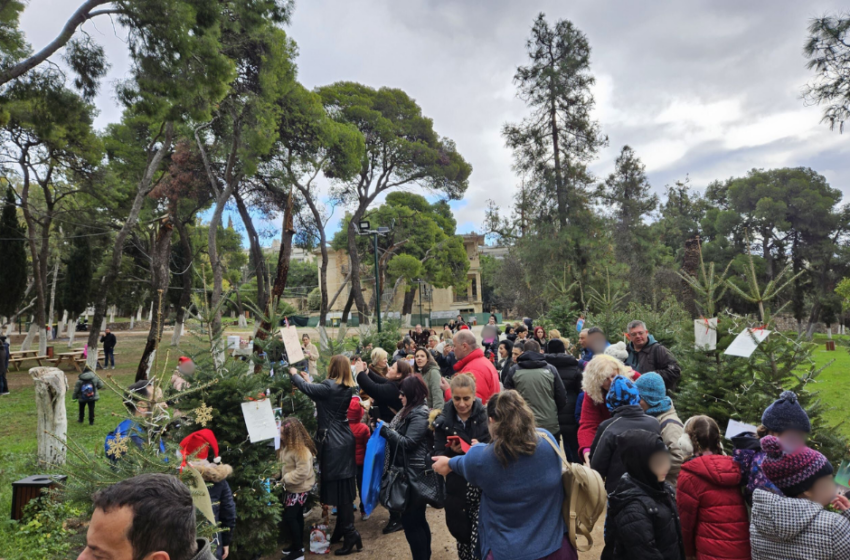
{"x":361,"y":438}
{"x":712,"y":510}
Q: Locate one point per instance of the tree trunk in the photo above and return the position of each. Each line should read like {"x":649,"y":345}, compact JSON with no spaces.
{"x":409,"y":297}
{"x":112,"y":314}
{"x":50,"y":388}
{"x":186,"y":277}
{"x":281,"y":277}
{"x":560,"y":189}
{"x":347,"y":309}
{"x":139,"y":313}
{"x":53,"y":294}
{"x":354,"y":257}
{"x":63,"y":324}
{"x":144,"y":187}
{"x":27,"y":343}
{"x":690,"y":265}
{"x":160,"y":275}
{"x":72,"y":331}
{"x":257,"y":256}
{"x":150,"y":313}
{"x":323,"y":268}
{"x":132,"y":321}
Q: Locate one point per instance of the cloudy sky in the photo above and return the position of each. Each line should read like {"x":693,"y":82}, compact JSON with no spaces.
{"x":706,"y":89}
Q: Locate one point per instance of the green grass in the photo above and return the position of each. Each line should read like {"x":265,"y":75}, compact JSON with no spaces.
{"x":18,"y":440}
{"x":833,"y":384}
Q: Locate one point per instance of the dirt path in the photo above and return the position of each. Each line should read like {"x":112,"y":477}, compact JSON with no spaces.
{"x":377,"y":546}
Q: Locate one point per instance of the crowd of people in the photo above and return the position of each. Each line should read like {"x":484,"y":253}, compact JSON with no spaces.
{"x":490,"y":414}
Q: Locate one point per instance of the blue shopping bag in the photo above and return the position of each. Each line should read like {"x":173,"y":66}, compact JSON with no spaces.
{"x":373,"y":469}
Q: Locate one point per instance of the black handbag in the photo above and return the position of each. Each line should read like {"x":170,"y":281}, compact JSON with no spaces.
{"x":395,"y":487}
{"x":430,"y":487}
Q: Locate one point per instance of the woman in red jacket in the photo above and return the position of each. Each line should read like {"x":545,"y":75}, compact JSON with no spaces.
{"x":598,"y":374}
{"x":715,"y":525}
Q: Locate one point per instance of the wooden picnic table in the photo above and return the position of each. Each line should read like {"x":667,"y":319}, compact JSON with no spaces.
{"x":19,"y":356}
{"x":75,"y":358}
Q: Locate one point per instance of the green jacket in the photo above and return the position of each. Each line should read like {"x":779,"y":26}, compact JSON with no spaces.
{"x":87,"y":375}
{"x":431,"y":376}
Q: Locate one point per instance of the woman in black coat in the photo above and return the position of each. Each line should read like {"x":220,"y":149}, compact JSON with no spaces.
{"x":465,"y":417}
{"x":570,"y":373}
{"x":410,"y":440}
{"x":643,"y":521}
{"x":335,"y":445}
{"x":384,"y":390}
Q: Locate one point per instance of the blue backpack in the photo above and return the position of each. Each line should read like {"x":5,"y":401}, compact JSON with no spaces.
{"x":87,"y":391}
{"x":126,"y":429}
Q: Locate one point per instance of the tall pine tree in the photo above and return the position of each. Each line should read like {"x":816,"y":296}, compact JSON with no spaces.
{"x":627,"y":194}
{"x":13,"y":256}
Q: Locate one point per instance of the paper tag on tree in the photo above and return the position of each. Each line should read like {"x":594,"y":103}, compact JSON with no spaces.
{"x":259,"y":419}
{"x":292,"y":345}
{"x":735,"y":428}
{"x":705,"y":334}
{"x":746,"y":343}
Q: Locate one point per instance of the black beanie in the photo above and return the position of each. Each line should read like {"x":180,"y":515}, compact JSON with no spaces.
{"x":556,"y":346}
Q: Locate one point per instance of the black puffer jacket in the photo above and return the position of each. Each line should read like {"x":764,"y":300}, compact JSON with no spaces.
{"x":445,"y":425}
{"x":334,"y":439}
{"x":384,"y":392}
{"x":644,"y":523}
{"x":605,"y":457}
{"x":570,"y":374}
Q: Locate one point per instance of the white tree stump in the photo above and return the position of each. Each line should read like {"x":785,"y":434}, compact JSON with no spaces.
{"x":243,"y":322}
{"x":50,"y":388}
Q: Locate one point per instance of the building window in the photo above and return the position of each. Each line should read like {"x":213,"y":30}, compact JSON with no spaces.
{"x":474,"y":286}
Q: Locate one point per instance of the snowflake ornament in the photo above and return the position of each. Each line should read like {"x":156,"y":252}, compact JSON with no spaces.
{"x":203,"y":414}
{"x":117,"y":446}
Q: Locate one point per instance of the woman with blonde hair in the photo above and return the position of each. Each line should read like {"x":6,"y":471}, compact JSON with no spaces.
{"x":379,"y":359}
{"x":519,"y":474}
{"x":296,"y":457}
{"x":598,"y":375}
{"x":335,"y":446}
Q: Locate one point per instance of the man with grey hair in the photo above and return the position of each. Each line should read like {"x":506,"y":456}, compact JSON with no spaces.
{"x":647,"y":354}
{"x":470,"y":359}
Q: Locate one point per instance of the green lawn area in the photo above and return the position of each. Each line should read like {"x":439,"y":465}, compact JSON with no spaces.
{"x":18,"y":444}
{"x":834,"y":382}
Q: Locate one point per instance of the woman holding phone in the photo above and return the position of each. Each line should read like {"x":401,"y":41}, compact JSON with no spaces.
{"x":462,"y":424}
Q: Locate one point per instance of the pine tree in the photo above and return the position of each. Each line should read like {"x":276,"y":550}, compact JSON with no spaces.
{"x":78,"y":276}
{"x":13,"y":255}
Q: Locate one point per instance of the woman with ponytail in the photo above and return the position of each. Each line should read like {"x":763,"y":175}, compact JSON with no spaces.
{"x":520,"y":479}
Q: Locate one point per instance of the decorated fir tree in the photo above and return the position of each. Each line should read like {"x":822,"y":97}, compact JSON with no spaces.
{"x":729,"y":387}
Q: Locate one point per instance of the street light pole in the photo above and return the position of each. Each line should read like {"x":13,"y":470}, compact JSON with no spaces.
{"x":365,"y":229}
{"x":377,"y":285}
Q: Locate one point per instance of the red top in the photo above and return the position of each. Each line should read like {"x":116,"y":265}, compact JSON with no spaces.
{"x":359,"y":429}
{"x":712,"y":510}
{"x":486,"y":376}
{"x":592,"y":415}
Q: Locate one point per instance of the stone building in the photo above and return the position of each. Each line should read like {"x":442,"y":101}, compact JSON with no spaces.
{"x":437,"y":303}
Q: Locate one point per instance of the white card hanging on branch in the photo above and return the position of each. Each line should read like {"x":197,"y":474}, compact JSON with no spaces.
{"x":746,"y":343}
{"x":259,"y":419}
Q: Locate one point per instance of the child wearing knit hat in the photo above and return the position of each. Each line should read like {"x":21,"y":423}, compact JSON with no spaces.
{"x":798,"y":526}
{"x":655,"y":402}
{"x":786,"y":420}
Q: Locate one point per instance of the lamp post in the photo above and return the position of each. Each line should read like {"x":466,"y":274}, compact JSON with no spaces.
{"x":364,"y":228}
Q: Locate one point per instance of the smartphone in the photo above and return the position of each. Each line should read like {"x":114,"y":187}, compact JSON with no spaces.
{"x":453,"y":440}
